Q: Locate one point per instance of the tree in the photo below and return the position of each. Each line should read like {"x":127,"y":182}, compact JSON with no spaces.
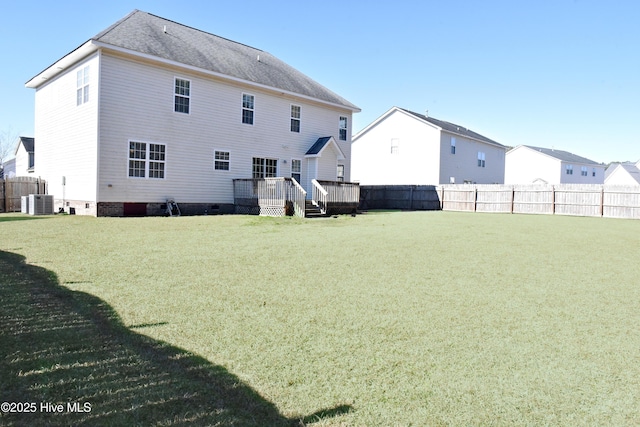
{"x":8,"y":139}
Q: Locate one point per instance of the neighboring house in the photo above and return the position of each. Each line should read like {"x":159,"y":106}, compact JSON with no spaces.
{"x":535,"y":165}
{"x":623,"y":174}
{"x":24,"y":155}
{"x":150,"y":110}
{"x":403,"y":147}
{"x":8,"y":169}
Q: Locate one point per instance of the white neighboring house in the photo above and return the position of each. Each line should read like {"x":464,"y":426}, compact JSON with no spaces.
{"x":25,"y":156}
{"x":406,"y":148}
{"x":150,"y":109}
{"x":623,"y":174}
{"x":535,"y":165}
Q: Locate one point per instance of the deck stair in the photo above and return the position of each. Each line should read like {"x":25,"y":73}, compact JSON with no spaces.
{"x":312,"y":210}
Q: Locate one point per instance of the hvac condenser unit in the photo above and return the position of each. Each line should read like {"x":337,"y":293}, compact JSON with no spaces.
{"x":24,"y":204}
{"x":40,"y":204}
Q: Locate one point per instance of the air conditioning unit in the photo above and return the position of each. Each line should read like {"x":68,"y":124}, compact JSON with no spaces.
{"x":24,"y":204}
{"x":40,"y":204}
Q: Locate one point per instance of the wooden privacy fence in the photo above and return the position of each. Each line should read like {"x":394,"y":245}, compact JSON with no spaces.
{"x":12,"y":190}
{"x":563,"y":199}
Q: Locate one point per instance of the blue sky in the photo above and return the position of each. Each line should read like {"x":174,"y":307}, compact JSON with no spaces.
{"x":562,"y":74}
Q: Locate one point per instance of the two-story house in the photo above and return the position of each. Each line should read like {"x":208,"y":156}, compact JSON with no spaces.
{"x":536,"y":165}
{"x":150,"y":109}
{"x":402,"y":147}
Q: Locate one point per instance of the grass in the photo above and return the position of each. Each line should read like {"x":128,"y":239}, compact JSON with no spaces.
{"x":414,"y":318}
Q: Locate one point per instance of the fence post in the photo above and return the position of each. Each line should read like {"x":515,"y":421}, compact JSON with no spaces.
{"x":553,"y":199}
{"x":475,"y":198}
{"x":602,"y":201}
{"x":513,"y":197}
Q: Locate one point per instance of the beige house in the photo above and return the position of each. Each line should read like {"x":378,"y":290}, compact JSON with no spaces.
{"x":150,"y":110}
{"x":406,"y":148}
{"x":623,"y":174}
{"x":535,"y":165}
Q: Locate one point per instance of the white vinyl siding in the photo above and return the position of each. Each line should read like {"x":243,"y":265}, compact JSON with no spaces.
{"x":133,"y":101}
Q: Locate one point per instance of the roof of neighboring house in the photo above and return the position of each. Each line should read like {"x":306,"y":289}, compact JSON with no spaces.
{"x":152,"y":36}
{"x":27,"y":142}
{"x":631,"y":168}
{"x":563,"y":156}
{"x":453,"y":128}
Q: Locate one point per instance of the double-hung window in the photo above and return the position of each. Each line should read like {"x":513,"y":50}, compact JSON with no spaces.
{"x":395,"y":145}
{"x":296,"y":169}
{"x":295,"y":118}
{"x":146,"y":160}
{"x":248,"y":108}
{"x":182,"y":96}
{"x":340,"y":173}
{"x":265,"y":168}
{"x":584,"y":171}
{"x":82,"y":85}
{"x":221,"y":160}
{"x":453,"y":145}
{"x":343,"y":128}
{"x":481,"y":159}
{"x":569,"y":170}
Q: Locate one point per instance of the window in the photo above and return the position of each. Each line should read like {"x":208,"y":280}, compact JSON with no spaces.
{"x":247,"y":108}
{"x":265,"y":168}
{"x":453,"y":145}
{"x":221,"y":160}
{"x":296,"y":169}
{"x":82,"y":86}
{"x":395,"y":145}
{"x":481,"y":159}
{"x":584,"y":171}
{"x":182,"y":96}
{"x":295,"y":118}
{"x":569,"y":169}
{"x":593,"y":173}
{"x":343,"y":128}
{"x":146,"y":160}
{"x":340,"y":173}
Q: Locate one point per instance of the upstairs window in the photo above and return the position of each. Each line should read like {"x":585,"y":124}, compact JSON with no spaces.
{"x":247,"y":108}
{"x":481,"y":159}
{"x":395,"y":145}
{"x":82,"y":86}
{"x":453,"y":145}
{"x":265,"y":168}
{"x":593,"y":172}
{"x":182,"y":96}
{"x":584,"y":171}
{"x":221,"y":161}
{"x":295,"y":118}
{"x":343,"y":128}
{"x":569,"y":170}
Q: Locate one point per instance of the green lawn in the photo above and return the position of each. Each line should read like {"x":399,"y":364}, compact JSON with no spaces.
{"x":385,"y":319}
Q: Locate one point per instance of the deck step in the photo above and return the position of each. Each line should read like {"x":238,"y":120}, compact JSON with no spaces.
{"x":312,"y":211}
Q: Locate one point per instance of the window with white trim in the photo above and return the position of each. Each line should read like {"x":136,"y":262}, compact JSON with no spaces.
{"x":593,"y":173}
{"x":395,"y":145}
{"x":296,"y":169}
{"x":295,"y":118}
{"x":264,"y":168}
{"x":343,"y":128}
{"x":481,"y":159}
{"x":221,"y":160}
{"x":569,"y":170}
{"x":146,"y":160}
{"x":453,"y":145}
{"x":182,"y":96}
{"x":82,"y":86}
{"x":584,"y":171}
{"x":248,"y":108}
{"x":340,"y":173}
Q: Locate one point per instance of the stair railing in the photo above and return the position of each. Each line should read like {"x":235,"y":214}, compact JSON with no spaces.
{"x":320,"y":196}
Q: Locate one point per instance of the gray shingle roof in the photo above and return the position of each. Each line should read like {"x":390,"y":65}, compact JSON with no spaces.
{"x":28,"y":143}
{"x":453,"y":128}
{"x":145,"y":33}
{"x":631,"y":169}
{"x":317,"y":147}
{"x":564,"y":156}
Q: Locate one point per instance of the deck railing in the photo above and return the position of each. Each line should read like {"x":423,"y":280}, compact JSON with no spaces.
{"x":269,"y":196}
{"x":336,"y":196}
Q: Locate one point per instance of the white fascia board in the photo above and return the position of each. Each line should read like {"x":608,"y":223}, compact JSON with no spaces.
{"x":62,"y":64}
{"x":215,"y":74}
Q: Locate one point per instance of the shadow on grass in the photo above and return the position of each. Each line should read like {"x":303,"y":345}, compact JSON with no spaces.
{"x":69,"y":348}
{"x":5,"y":217}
